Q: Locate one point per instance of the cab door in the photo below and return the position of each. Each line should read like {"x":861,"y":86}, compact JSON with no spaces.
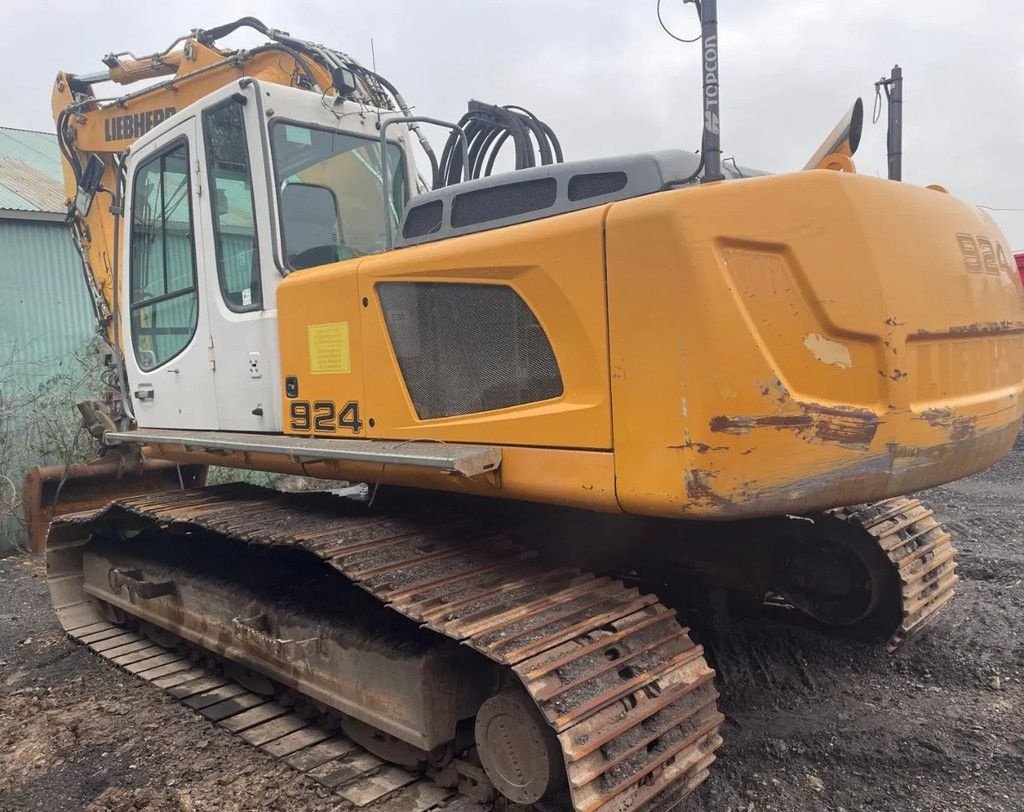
{"x":164,"y":319}
{"x":241,"y":275}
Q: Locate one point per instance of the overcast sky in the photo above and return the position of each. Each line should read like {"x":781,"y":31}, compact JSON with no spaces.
{"x":609,"y":80}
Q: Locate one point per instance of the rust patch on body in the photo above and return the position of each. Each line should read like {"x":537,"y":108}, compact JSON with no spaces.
{"x":828,"y":424}
{"x":689,"y":444}
{"x":704,"y":448}
{"x":978,"y":328}
{"x":699,"y":490}
{"x":959,"y":428}
{"x":700,"y":448}
{"x":775,"y":389}
{"x":743,"y":425}
{"x":843,"y":425}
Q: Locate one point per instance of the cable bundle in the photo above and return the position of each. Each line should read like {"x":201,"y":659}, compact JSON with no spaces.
{"x":487,"y":128}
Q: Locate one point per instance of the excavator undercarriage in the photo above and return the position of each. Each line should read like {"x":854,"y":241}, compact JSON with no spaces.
{"x":437,"y":643}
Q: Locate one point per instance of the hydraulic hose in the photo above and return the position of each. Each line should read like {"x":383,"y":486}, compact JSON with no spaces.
{"x":488,"y":127}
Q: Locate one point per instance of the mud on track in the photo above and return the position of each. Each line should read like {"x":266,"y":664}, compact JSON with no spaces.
{"x":813,"y":723}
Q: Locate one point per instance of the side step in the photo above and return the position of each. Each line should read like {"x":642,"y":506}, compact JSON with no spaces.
{"x":467,"y":460}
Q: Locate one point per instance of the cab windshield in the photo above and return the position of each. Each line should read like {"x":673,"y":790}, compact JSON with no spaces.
{"x":329,"y":193}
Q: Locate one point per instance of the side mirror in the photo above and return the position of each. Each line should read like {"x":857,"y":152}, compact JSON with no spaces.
{"x":147,"y":359}
{"x":89,"y":184}
{"x":311,"y":225}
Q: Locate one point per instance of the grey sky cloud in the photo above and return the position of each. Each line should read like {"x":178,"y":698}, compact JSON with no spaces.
{"x":606,"y":77}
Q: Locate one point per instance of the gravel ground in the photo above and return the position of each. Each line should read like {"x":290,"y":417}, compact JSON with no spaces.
{"x":814,"y":723}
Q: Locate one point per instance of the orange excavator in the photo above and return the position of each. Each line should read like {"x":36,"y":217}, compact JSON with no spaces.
{"x":559,"y":382}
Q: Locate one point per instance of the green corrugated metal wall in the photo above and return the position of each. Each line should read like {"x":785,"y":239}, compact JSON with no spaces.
{"x":46,"y":320}
{"x":45,"y":313}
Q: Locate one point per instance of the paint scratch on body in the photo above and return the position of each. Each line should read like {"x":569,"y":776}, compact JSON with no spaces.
{"x":846,"y":426}
{"x":699,"y":491}
{"x":959,"y":428}
{"x":828,"y":351}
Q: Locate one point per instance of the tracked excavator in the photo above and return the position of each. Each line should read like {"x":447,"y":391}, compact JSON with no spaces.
{"x":580,"y":393}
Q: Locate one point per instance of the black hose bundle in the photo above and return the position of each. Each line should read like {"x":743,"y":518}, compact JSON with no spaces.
{"x":487,"y":128}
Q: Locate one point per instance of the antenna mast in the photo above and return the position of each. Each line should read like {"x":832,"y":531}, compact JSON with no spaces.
{"x":893,"y":87}
{"x":711,"y":141}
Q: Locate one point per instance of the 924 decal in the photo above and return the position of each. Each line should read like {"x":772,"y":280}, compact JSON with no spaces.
{"x":323,"y":417}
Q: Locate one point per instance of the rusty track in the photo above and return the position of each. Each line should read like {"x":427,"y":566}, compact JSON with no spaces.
{"x":310,"y":745}
{"x":628,"y":694}
{"x":922,"y":553}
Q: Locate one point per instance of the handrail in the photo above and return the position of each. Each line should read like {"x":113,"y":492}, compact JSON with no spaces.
{"x":389,"y":236}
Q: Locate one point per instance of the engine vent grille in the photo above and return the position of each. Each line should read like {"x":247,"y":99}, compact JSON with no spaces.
{"x":425,"y":219}
{"x":507,"y":200}
{"x":465,"y":348}
{"x":595,"y":184}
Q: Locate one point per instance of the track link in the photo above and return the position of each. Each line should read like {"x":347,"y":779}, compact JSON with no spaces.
{"x":628,"y":694}
{"x":308,"y":745}
{"x":920,"y":550}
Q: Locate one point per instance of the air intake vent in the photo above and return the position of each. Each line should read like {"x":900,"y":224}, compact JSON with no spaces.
{"x":596,"y":184}
{"x":425,"y":219}
{"x":466,"y":348}
{"x":531,"y":194}
{"x":506,"y":200}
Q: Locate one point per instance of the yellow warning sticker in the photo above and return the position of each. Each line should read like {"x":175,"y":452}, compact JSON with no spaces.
{"x":329,"y":352}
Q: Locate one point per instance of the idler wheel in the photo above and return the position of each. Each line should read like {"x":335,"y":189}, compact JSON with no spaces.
{"x":517,"y":748}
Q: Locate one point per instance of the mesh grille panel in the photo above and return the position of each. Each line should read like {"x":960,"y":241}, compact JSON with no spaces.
{"x":425,"y":219}
{"x":596,"y":184}
{"x":466,"y":348}
{"x":507,"y":200}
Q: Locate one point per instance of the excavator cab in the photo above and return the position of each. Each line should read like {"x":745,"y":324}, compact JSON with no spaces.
{"x":225,"y":199}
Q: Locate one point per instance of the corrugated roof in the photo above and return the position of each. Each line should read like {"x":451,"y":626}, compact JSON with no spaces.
{"x":31,"y":178}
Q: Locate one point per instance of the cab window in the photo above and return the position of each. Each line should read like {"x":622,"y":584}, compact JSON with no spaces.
{"x":233,"y":205}
{"x":330,"y":193}
{"x":163,"y":296}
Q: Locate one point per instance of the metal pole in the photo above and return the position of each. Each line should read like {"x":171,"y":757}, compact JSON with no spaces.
{"x":895,"y":132}
{"x":711,"y":141}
